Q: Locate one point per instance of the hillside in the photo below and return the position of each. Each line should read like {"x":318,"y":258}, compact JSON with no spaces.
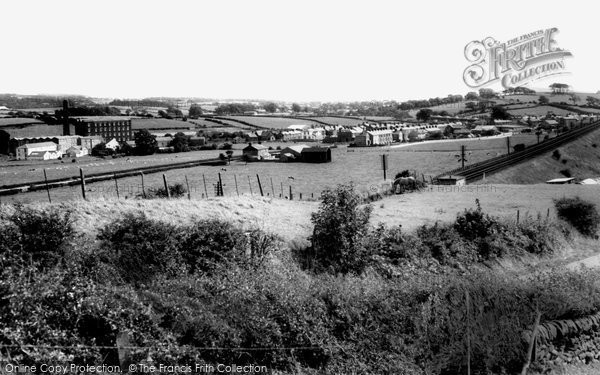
{"x":581,"y":158}
{"x":175,"y":286}
{"x":291,"y":219}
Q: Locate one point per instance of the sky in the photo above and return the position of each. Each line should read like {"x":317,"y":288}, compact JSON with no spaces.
{"x":296,"y":50}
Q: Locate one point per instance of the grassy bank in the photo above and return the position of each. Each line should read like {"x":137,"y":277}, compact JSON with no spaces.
{"x":225,"y":281}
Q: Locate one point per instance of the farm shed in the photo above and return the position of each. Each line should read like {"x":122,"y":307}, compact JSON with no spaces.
{"x":258,"y":152}
{"x":24,"y":152}
{"x":590,"y":181}
{"x":565,"y":180}
{"x":294,"y":152}
{"x":452,"y":180}
{"x":316,"y":155}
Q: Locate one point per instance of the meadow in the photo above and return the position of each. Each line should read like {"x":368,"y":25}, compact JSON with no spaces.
{"x":541,"y":110}
{"x":339,"y":120}
{"x":362,"y":166}
{"x":159,"y":123}
{"x":272,"y":122}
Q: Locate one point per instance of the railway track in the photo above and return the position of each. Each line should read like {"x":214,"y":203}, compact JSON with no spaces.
{"x":104,"y":176}
{"x":476,"y":171}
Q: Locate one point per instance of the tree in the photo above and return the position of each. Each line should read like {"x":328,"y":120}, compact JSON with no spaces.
{"x":574,"y":97}
{"x":500,"y":113}
{"x":195,"y":111}
{"x":543,"y":100}
{"x":424,"y":114}
{"x":174,"y":112}
{"x":180,"y":143}
{"x":487,"y":93}
{"x":339,"y":226}
{"x":145,"y":143}
{"x":471,"y":96}
{"x":296,"y":108}
{"x":99,"y":149}
{"x":126,"y":149}
{"x":559,"y":88}
{"x":592,"y":101}
{"x":229,"y":155}
{"x":270,"y":107}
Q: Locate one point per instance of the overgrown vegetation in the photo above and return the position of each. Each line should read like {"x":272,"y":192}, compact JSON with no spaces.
{"x":581,"y":214}
{"x":376,"y":299}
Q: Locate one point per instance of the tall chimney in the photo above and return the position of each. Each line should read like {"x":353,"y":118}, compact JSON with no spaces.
{"x":65,"y":118}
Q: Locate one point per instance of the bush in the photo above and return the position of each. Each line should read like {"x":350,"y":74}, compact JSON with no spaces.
{"x":141,"y":248}
{"x":581,"y":214}
{"x":339,"y":226}
{"x":556,"y":154}
{"x":36,"y":236}
{"x":176,"y":191}
{"x":566,"y":172}
{"x":211,"y":243}
{"x":474,"y":223}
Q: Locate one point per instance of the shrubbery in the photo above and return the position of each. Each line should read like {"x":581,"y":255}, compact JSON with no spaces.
{"x":175,"y":190}
{"x":581,"y":214}
{"x":339,"y":226}
{"x":141,"y":248}
{"x":35,"y":236}
{"x":393,"y":301}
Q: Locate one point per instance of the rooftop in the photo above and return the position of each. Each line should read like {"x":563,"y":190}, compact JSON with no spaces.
{"x":40,"y":144}
{"x":101,"y":118}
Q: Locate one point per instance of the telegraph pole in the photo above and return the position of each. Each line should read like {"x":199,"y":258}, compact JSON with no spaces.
{"x":462,"y":155}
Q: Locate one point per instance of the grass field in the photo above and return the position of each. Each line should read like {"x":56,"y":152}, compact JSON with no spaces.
{"x":291,"y":219}
{"x":159,"y":123}
{"x":359,"y":165}
{"x":580,"y":157}
{"x":272,"y":122}
{"x":339,"y":121}
{"x":494,"y":145}
{"x":541,"y":110}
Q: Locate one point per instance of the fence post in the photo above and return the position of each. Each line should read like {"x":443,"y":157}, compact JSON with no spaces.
{"x":281,"y":196}
{"x":188,"y":188}
{"x":204,"y":181}
{"x":259,"y":185}
{"x":116,"y":185}
{"x":236,"y":186}
{"x":143,"y":187}
{"x":166,"y":186}
{"x":548,"y":213}
{"x":272,"y":189}
{"x":221,"y":185}
{"x":291,"y":196}
{"x":82,"y":177}
{"x":518,"y":213}
{"x":47,"y":187}
{"x":250,"y":184}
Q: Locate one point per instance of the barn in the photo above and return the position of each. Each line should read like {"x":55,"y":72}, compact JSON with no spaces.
{"x":255,"y":152}
{"x":316,"y":155}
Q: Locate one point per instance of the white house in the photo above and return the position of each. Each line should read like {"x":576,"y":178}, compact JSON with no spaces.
{"x":316,"y":134}
{"x":23,"y":152}
{"x":374,"y":138}
{"x":44,"y":155}
{"x":113,"y":144}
